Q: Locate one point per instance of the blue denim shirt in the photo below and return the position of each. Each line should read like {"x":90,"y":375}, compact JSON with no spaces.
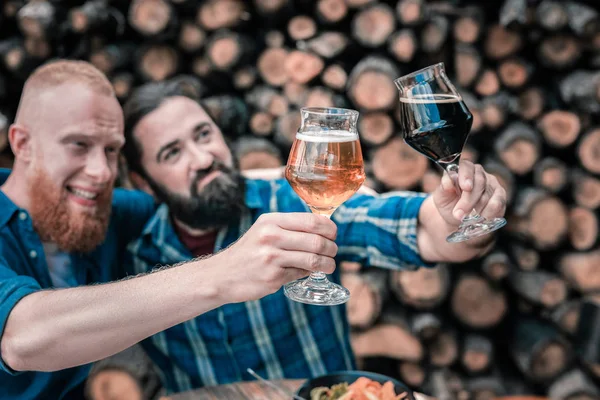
{"x":276,"y":337}
{"x":23,"y":270}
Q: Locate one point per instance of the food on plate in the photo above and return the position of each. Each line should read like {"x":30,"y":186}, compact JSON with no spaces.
{"x":362,"y":389}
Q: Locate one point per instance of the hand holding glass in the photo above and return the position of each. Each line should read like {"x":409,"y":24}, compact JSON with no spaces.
{"x":436,"y":122}
{"x":325,"y":168}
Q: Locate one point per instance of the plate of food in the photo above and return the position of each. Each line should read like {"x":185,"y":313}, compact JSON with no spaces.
{"x":354,"y":385}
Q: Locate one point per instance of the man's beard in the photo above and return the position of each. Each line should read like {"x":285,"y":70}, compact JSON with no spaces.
{"x":219,"y":202}
{"x":55,"y":220}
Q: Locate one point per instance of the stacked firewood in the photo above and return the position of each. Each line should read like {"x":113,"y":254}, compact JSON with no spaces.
{"x":527,"y":69}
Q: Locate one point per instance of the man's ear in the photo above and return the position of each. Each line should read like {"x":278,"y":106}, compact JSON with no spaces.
{"x":20,"y":142}
{"x":140,"y":183}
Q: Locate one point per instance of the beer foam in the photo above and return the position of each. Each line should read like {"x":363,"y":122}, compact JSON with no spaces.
{"x":431,"y":98}
{"x":328,"y":136}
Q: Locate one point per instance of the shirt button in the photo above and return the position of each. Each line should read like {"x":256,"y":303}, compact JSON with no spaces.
{"x":22,"y":216}
{"x":33,"y":254}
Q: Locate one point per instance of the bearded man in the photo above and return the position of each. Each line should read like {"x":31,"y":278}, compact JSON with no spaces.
{"x":176,"y":152}
{"x":63,"y":228}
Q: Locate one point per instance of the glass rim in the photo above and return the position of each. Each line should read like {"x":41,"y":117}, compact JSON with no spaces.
{"x":420,"y":71}
{"x":325,"y":111}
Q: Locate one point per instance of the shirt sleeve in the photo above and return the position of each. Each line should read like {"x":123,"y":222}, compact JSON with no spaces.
{"x":132,"y":209}
{"x":13,"y":288}
{"x":381,"y":230}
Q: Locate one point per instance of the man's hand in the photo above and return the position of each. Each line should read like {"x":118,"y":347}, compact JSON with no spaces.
{"x":279,"y":248}
{"x":442,"y":212}
{"x":480,"y":190}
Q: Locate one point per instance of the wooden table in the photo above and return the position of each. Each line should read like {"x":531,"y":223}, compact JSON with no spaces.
{"x":252,"y":390}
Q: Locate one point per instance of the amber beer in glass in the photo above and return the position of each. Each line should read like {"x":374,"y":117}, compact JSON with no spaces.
{"x":325,"y":168}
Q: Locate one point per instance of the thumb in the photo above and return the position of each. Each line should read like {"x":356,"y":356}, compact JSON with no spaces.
{"x":446,"y":195}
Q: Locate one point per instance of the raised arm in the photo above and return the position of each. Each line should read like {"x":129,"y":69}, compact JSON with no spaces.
{"x":55,"y":329}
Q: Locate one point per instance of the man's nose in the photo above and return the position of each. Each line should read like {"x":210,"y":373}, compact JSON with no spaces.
{"x":200,"y":159}
{"x":98,"y":168}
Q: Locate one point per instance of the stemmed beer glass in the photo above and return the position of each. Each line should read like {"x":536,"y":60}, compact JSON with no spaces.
{"x":325,"y":168}
{"x":436,"y":122}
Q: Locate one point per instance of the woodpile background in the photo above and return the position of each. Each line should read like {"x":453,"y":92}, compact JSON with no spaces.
{"x":529,"y":72}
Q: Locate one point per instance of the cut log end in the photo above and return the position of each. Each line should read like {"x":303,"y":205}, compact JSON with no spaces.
{"x":531,"y":103}
{"x":549,"y":361}
{"x":488,"y":83}
{"x":423,"y":288}
{"x":302,"y":27}
{"x":150,"y":17}
{"x":583,"y":228}
{"x":411,"y":373}
{"x":335,"y":77}
{"x":215,"y":14}
{"x":332,"y":11}
{"x":302,"y":67}
{"x":586,"y":190}
{"x":106,"y":384}
{"x":443,"y":351}
{"x":403,"y":45}
{"x":467,"y":29}
{"x":271,"y":66}
{"x":589,"y":151}
{"x":582,"y":270}
{"x":191,"y":37}
{"x":375,"y":128}
{"x":477,"y":304}
{"x":501,"y":43}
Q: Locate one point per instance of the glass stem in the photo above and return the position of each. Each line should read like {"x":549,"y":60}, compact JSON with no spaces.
{"x":452,"y":170}
{"x":319,"y":276}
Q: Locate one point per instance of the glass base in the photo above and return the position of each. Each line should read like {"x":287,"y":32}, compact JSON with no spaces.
{"x":320,"y":292}
{"x":473,"y":227}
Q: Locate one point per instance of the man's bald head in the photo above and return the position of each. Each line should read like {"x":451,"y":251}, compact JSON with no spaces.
{"x":55,"y":74}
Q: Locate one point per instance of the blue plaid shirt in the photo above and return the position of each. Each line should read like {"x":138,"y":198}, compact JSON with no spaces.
{"x":276,"y":337}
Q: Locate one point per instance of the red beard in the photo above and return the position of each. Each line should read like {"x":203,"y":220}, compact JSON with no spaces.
{"x":55,"y":220}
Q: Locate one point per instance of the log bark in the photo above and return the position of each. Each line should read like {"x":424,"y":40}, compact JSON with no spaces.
{"x":513,"y":13}
{"x":368,"y":293}
{"x":495,"y":109}
{"x":527,"y":259}
{"x":588,"y":151}
{"x":559,"y":51}
{"x":496,"y":265}
{"x":96,"y":16}
{"x":539,"y":287}
{"x":583,"y":19}
{"x":551,"y":15}
{"x":287,"y":126}
{"x":329,"y":44}
{"x":539,"y":350}
{"x":574,"y":385}
{"x":434,"y":34}
{"x":38,"y":19}
{"x":585,"y":189}
{"x":531,"y":103}
{"x":371,"y":84}
{"x":113,"y":57}
{"x":581,"y":270}
{"x":551,"y":174}
{"x":566,"y":316}
{"x":426,"y":325}
{"x":443,"y":350}
{"x":375,"y":128}
{"x":477,"y":353}
{"x":477,"y":304}
{"x":581,"y":90}
{"x":265,"y":98}
{"x":518,"y":147}
{"x":583,"y":228}
{"x":539,"y":217}
{"x":229,"y":112}
{"x":397,"y":166}
{"x":372,"y":26}
{"x":424,"y":288}
{"x":255,"y":153}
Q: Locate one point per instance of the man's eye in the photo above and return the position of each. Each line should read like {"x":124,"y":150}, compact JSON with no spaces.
{"x":80,"y":145}
{"x":202,"y":135}
{"x":171,"y":153}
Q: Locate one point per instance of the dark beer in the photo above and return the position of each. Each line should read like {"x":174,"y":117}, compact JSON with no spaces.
{"x":325,"y":169}
{"x":436,"y":125}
